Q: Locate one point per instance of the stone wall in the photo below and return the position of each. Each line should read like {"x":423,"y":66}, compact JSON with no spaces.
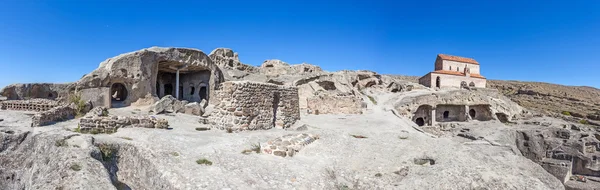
{"x":331,"y":104}
{"x":110,"y":124}
{"x":29,"y":105}
{"x":288,"y":145}
{"x":244,"y":105}
{"x":58,"y":113}
{"x":454,"y":81}
{"x":446,"y":64}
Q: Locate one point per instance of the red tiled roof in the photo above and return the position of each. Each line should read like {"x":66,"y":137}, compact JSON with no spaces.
{"x":457,"y":59}
{"x":446,"y":72}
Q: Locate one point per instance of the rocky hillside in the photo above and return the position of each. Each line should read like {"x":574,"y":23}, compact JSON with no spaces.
{"x":578,"y":101}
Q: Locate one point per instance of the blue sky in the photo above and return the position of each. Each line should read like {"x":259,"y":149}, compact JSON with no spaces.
{"x":548,"y":41}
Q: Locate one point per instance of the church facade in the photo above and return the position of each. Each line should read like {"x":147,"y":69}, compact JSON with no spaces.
{"x":454,"y":71}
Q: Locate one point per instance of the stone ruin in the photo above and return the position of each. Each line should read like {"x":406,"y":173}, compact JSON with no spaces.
{"x":564,"y":152}
{"x":98,"y":120}
{"x":459,"y":106}
{"x":48,"y":111}
{"x":29,"y":105}
{"x":110,"y":124}
{"x":245,"y":105}
{"x":288,"y":145}
{"x":143,"y":77}
{"x":58,"y":113}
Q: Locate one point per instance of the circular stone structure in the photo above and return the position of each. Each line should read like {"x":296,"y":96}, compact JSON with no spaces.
{"x":152,"y":73}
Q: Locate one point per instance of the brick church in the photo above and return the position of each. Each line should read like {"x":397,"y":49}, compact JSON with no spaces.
{"x":454,"y":71}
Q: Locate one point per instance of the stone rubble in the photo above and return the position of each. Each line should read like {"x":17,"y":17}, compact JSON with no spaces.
{"x":288,"y":145}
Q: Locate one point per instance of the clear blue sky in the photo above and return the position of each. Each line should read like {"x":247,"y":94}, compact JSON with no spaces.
{"x":548,"y":41}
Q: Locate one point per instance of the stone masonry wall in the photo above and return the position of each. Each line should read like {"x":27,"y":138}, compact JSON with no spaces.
{"x":110,"y":124}
{"x":328,"y":104}
{"x":245,"y":105}
{"x":29,"y":105}
{"x":59,"y":113}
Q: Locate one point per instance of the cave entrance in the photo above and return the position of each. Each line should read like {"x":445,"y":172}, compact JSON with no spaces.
{"x":472,"y":113}
{"x":275,"y":106}
{"x":203,"y":95}
{"x":168,"y":90}
{"x":181,"y":81}
{"x":420,"y":121}
{"x":118,"y":94}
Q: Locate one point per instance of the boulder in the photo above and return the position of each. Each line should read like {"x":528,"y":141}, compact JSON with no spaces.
{"x":194,"y":108}
{"x":97,"y":111}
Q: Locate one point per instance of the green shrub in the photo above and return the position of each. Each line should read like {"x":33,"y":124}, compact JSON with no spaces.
{"x":583,"y":121}
{"x":175,"y":153}
{"x":372,"y":99}
{"x":566,"y":113}
{"x":255,"y":148}
{"x":75,"y":167}
{"x":107,"y":151}
{"x":76,"y":99}
{"x":61,"y":143}
{"x":204,"y":161}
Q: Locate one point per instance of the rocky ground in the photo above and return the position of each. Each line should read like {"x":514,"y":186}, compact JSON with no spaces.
{"x":375,"y":147}
{"x":392,"y":155}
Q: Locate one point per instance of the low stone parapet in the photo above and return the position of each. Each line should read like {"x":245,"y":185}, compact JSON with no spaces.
{"x":110,"y":124}
{"x":28,"y":105}
{"x":288,"y":145}
{"x":59,"y":113}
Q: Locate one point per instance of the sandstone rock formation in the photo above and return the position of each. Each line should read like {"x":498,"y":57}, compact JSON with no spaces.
{"x":565,"y":150}
{"x":37,"y":90}
{"x":129,"y":77}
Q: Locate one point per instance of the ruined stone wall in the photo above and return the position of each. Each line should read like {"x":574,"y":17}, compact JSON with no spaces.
{"x":288,"y":145}
{"x":58,"y":113}
{"x":328,"y":104}
{"x":426,"y":81}
{"x":244,"y":105}
{"x":110,"y":124}
{"x":29,"y":105}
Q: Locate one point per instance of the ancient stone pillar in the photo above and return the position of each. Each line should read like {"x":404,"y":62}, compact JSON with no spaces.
{"x":177,"y":84}
{"x":432,"y":116}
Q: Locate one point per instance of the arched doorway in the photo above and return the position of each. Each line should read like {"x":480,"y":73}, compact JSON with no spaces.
{"x":472,"y":84}
{"x":463,"y":84}
{"x":275,"y":106}
{"x":437,"y":82}
{"x":446,"y":114}
{"x":420,"y":121}
{"x":118,"y":94}
{"x":202,"y":93}
{"x":168,"y":89}
{"x":472,"y":113}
